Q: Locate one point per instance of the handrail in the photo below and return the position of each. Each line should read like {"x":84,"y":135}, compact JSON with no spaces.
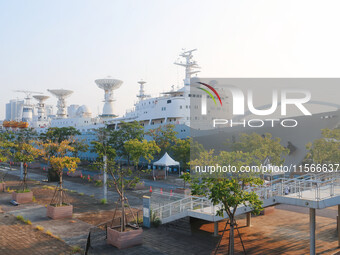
{"x":298,"y":185}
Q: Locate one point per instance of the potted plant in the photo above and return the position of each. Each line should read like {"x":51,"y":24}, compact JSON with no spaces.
{"x":55,"y":154}
{"x":126,"y":234}
{"x":26,"y":151}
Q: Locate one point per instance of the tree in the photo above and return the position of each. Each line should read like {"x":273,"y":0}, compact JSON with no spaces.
{"x":127,"y":131}
{"x":230,"y":195}
{"x":5,"y":146}
{"x":261,"y":147}
{"x":25,"y":152}
{"x":79,"y":146}
{"x":325,"y":150}
{"x":185,"y":150}
{"x":181,"y":152}
{"x":164,"y":136}
{"x":231,"y":190}
{"x":103,"y":150}
{"x":123,"y":178}
{"x":55,"y":154}
{"x":58,"y":135}
{"x":141,"y":149}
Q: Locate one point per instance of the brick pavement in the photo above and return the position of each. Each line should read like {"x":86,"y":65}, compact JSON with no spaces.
{"x":284,"y":232}
{"x":17,"y":238}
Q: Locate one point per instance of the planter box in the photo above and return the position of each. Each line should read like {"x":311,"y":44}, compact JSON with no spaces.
{"x":185,"y":192}
{"x":267,"y":210}
{"x":59,"y":212}
{"x":123,"y":240}
{"x":21,"y":198}
{"x":2,"y":186}
{"x":140,"y":185}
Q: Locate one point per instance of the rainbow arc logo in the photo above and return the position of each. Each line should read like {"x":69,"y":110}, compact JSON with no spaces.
{"x":209,"y":93}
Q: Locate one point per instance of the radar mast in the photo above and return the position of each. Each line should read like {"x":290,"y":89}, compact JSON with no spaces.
{"x":190,"y":65}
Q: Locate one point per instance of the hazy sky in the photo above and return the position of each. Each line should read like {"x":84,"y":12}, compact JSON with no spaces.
{"x":70,"y":43}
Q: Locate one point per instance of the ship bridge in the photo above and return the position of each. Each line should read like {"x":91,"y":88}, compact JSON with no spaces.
{"x":314,"y":191}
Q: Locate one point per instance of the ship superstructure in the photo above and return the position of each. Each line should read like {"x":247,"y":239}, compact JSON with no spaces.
{"x":179,"y":107}
{"x":171,"y":107}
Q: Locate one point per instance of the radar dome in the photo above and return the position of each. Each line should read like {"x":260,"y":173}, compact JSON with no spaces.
{"x":84,"y":111}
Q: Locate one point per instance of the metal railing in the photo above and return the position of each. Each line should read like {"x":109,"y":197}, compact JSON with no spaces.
{"x":309,"y":186}
{"x":179,"y":206}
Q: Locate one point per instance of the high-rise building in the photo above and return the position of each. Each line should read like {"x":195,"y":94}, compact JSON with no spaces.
{"x":14,"y":109}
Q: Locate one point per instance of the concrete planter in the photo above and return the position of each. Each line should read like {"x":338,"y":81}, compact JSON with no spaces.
{"x":140,"y":185}
{"x":21,"y":198}
{"x":185,"y":192}
{"x":59,"y":212}
{"x":2,"y":186}
{"x":123,"y":240}
{"x":267,"y":210}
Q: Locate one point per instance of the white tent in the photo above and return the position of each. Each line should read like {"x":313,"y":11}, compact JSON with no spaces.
{"x":166,"y":161}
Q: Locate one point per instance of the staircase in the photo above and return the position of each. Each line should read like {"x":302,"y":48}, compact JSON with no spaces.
{"x":310,"y":190}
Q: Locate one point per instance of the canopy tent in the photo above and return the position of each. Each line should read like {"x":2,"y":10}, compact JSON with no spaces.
{"x":166,"y":161}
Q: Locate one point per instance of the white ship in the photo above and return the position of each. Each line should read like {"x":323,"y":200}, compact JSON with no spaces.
{"x":172,"y":107}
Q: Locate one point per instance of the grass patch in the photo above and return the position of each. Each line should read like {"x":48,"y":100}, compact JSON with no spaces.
{"x":23,"y":220}
{"x":48,"y":187}
{"x":92,"y":195}
{"x":51,"y":235}
{"x":76,"y":249}
{"x":10,"y":190}
{"x":23,"y":191}
{"x":40,"y":228}
{"x":103,"y":201}
{"x":81,"y":194}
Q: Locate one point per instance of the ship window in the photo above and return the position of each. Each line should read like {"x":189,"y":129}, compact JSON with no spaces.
{"x":168,"y":102}
{"x":180,"y":107}
{"x":189,"y":95}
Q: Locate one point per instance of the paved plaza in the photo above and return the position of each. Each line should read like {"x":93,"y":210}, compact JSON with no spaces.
{"x":284,"y":231}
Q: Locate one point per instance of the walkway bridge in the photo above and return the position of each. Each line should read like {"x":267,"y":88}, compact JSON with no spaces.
{"x":314,"y":191}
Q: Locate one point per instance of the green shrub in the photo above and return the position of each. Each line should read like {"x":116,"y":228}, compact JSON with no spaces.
{"x":103,"y":201}
{"x":99,"y":183}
